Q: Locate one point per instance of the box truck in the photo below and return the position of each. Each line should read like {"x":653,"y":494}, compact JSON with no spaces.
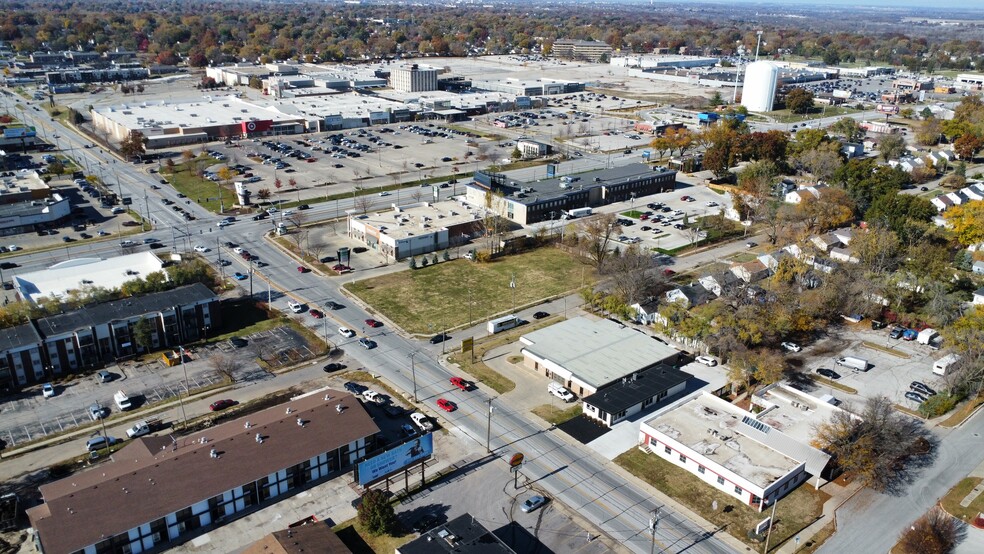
{"x":852,"y":362}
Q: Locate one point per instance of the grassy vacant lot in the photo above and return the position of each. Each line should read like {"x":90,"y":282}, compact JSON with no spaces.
{"x":556,"y":416}
{"x":445,"y":295}
{"x":361,"y":542}
{"x":951,"y":502}
{"x":794,"y":512}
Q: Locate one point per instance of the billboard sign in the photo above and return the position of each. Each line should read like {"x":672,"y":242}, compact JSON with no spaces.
{"x":551,"y":171}
{"x":257,"y":126}
{"x":394,"y":460}
{"x":19,"y":132}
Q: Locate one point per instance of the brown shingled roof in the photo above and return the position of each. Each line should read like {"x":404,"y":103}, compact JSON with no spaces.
{"x":154,"y":476}
{"x":313,"y":538}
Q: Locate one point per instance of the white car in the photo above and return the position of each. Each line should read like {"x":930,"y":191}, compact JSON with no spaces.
{"x":223,"y":223}
{"x":421,"y":421}
{"x":202,"y":249}
{"x":384,"y":193}
{"x":706,"y":360}
{"x":791,"y":346}
{"x":710,"y":204}
{"x":238,"y":250}
{"x":346,"y":332}
{"x":295,"y":307}
{"x":47,"y":390}
{"x":288,"y":212}
{"x":13,"y":248}
{"x":271,"y":210}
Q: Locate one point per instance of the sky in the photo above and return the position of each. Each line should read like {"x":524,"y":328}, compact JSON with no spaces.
{"x":964,"y":5}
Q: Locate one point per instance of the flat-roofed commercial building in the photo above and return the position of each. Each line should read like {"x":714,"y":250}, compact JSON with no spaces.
{"x":29,"y":215}
{"x":157,"y":492}
{"x":414,"y":78}
{"x":607,"y":364}
{"x":415,"y":229}
{"x":751,"y":457}
{"x":526,"y":202}
{"x":589,"y":50}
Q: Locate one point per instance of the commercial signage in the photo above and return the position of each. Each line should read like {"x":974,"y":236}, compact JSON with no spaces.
{"x":551,"y":171}
{"x":257,"y":126}
{"x":394,"y":460}
{"x":516,"y":460}
{"x":19,"y":132}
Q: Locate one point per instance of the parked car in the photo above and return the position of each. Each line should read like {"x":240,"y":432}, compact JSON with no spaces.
{"x":104,"y":376}
{"x":221,"y":404}
{"x":334,"y":366}
{"x":532,"y":503}
{"x":791,"y":346}
{"x":354,"y":388}
{"x":238,"y":342}
{"x":828,"y":373}
{"x":446,"y":405}
{"x":896,"y":333}
{"x":408,"y":430}
{"x":706,"y":360}
{"x":922,"y":388}
{"x":295,"y":307}
{"x":47,"y":390}
{"x":100,"y":442}
{"x":915,"y":397}
{"x":437,"y":339}
{"x":97,"y":412}
{"x":316,"y":314}
{"x":540,"y":315}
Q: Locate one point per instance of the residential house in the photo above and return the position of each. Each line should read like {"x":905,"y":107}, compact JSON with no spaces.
{"x":720,"y":283}
{"x":771,"y":260}
{"x":646,"y":311}
{"x":825,"y":265}
{"x":843,"y":254}
{"x":973,"y":192}
{"x":799,"y":195}
{"x":826,"y":241}
{"x":750,"y":272}
{"x":690,"y":295}
{"x":852,"y":149}
{"x":956,"y":198}
{"x":979,"y":296}
{"x":844,"y":234}
{"x":978,"y":267}
{"x":942,"y":202}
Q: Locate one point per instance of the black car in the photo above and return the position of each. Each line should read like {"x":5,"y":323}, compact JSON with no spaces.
{"x":354,"y":388}
{"x":828,"y":373}
{"x":875,"y":325}
{"x":332,"y":305}
{"x":259,"y":216}
{"x":437,"y":339}
{"x":334,"y":366}
{"x":915,"y":397}
{"x":8,"y":265}
{"x":238,"y":342}
{"x":304,"y":207}
{"x":540,"y":315}
{"x":393,"y":411}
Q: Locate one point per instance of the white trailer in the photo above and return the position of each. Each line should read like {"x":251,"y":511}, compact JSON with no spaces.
{"x":577,"y":212}
{"x":941,"y":366}
{"x":926,"y":336}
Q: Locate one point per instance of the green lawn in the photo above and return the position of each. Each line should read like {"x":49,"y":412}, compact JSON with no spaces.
{"x":794,"y":512}
{"x":553,"y":414}
{"x":634,"y":214}
{"x":197,"y":189}
{"x":446,"y":295}
{"x":951,"y":502}
{"x":360,"y":541}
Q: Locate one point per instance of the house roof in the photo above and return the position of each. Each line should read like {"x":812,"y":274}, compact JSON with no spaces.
{"x":316,"y":537}
{"x":154,"y":476}
{"x":596,"y":351}
{"x":624,"y":394}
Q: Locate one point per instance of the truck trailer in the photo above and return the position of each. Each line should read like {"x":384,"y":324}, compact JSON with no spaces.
{"x":577,"y":212}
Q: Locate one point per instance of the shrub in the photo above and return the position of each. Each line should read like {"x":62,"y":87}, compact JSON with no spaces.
{"x":375,"y":513}
{"x":939,"y":404}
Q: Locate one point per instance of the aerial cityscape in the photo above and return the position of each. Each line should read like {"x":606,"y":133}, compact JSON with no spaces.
{"x":489,"y":277}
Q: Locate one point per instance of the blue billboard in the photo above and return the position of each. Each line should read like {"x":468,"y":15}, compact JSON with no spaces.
{"x":391,"y":461}
{"x":551,"y":171}
{"x":19,"y":132}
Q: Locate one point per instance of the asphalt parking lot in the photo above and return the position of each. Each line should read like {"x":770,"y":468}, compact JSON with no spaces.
{"x":888,"y":375}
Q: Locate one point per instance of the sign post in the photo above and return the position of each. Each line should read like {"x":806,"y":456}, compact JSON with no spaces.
{"x":514,"y":464}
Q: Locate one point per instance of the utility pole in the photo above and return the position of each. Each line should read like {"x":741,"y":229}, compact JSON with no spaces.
{"x":653,"y":523}
{"x":488,"y":431}
{"x":184,"y":416}
{"x":413,"y":373}
{"x":772,"y":518}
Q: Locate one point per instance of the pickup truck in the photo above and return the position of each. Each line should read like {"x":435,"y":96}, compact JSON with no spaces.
{"x":142,"y":428}
{"x":421,"y":421}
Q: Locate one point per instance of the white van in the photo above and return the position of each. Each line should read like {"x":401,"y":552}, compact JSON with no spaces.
{"x":859,"y":364}
{"x":560,"y":392}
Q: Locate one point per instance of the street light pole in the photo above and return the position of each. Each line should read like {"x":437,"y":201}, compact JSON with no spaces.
{"x":184,"y":416}
{"x":653,"y":523}
{"x":413,"y":373}
{"x":488,"y":431}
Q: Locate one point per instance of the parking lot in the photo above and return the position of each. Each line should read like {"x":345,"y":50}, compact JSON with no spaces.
{"x":888,"y":375}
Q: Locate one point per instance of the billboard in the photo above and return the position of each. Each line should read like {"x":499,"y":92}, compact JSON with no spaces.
{"x":391,"y":461}
{"x":551,"y":171}
{"x":19,"y":132}
{"x":257,"y":126}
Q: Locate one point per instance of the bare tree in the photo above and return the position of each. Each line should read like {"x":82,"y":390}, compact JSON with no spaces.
{"x":297,"y":218}
{"x":417,"y":194}
{"x":632,"y":275}
{"x":599,"y":232}
{"x":298,"y":238}
{"x":492,"y":220}
{"x":937,"y":532}
{"x":876,"y":445}
{"x":363,"y":202}
{"x":224,"y":365}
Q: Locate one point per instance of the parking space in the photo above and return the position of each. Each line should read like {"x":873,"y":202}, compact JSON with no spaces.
{"x":888,"y":374}
{"x":667,"y":220}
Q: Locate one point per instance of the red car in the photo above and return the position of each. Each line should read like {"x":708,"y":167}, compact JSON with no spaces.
{"x":302,"y":269}
{"x":221,"y":404}
{"x":316,"y":314}
{"x":460,"y":383}
{"x":373,"y":323}
{"x":446,"y":405}
{"x":668,"y":272}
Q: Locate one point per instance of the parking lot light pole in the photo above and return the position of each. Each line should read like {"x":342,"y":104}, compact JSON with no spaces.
{"x":488,"y":431}
{"x":184,"y":416}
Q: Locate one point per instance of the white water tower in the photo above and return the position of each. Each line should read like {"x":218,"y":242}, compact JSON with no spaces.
{"x":759,"y":90}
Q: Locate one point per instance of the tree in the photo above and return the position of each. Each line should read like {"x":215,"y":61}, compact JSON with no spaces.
{"x":875,"y":446}
{"x":937,"y":532}
{"x":375,"y":513}
{"x":928,"y":131}
{"x":967,"y":146}
{"x":143,"y":334}
{"x":965,"y":336}
{"x":967,"y":222}
{"x":891,"y":147}
{"x":849,"y":128}
{"x":598,"y":233}
{"x":898,"y":211}
{"x":133,"y":145}
{"x":632,"y":276}
{"x":878,"y":248}
{"x":831,"y":210}
{"x":224,"y":365}
{"x":799,"y":100}
{"x":263,"y":194}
